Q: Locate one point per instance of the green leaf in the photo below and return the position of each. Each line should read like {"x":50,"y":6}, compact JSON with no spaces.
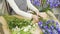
{"x":22,"y":32}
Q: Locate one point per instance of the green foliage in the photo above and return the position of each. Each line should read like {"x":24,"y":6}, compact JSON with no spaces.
{"x":22,"y":32}
{"x":13,"y":21}
{"x":45,"y":9}
{"x":44,"y":1}
{"x":24,"y":25}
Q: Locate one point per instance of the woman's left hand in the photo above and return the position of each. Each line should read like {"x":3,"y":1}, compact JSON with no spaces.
{"x":42,"y":14}
{"x":35,"y":18}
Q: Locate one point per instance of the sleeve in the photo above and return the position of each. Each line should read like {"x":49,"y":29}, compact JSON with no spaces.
{"x":17,"y":10}
{"x":30,"y":6}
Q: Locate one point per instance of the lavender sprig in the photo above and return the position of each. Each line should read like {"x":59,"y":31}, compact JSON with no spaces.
{"x":49,"y":27}
{"x":53,"y":3}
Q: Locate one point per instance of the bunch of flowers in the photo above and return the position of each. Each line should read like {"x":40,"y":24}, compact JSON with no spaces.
{"x":20,"y":26}
{"x":24,"y":30}
{"x":49,"y":27}
{"x":35,"y":2}
{"x":53,"y":3}
{"x":50,"y":3}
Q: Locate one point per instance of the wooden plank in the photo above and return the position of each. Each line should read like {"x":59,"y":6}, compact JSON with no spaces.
{"x":4,"y":25}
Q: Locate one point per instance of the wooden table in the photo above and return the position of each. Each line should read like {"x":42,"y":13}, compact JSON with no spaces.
{"x":4,"y":26}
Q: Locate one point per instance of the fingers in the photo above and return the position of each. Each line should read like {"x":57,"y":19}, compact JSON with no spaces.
{"x":37,"y":13}
{"x":35,"y":18}
{"x":44,"y":15}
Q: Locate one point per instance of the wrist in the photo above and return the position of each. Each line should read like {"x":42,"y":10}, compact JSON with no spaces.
{"x":35,"y":18}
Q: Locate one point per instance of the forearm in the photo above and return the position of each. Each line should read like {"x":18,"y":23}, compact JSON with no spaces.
{"x":30,"y":6}
{"x":17,"y":10}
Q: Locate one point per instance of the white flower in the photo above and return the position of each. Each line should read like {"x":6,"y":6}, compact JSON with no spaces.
{"x":16,"y":29}
{"x":29,"y":26}
{"x":34,"y":25}
{"x":25,"y":30}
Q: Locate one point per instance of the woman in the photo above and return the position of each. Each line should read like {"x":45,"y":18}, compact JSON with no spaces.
{"x":19,"y":6}
{"x":25,"y":14}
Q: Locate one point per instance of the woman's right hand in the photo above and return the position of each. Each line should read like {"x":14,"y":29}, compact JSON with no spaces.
{"x":35,"y":18}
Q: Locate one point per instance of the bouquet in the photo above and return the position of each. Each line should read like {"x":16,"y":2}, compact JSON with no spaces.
{"x":49,"y":26}
{"x":20,"y":25}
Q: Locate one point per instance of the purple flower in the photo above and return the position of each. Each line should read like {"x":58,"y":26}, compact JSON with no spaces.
{"x":50,"y":21}
{"x":45,"y":33}
{"x":36,"y":2}
{"x":43,"y":30}
{"x":49,"y":27}
{"x":53,"y":3}
{"x":52,"y":27}
{"x":49,"y":30}
{"x":58,"y":30}
{"x":40,"y":24}
{"x":45,"y":27}
{"x":54,"y":31}
{"x":57,"y":23}
{"x":59,"y":2}
{"x":50,"y":33}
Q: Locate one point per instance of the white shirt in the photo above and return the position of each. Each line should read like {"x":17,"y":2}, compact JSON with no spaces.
{"x":17,"y":10}
{"x":31,"y":6}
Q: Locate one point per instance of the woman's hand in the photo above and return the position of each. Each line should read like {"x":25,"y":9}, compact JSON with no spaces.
{"x":42,"y":14}
{"x":35,"y":18}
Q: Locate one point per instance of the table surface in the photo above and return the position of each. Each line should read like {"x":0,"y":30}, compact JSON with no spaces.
{"x":4,"y":25}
